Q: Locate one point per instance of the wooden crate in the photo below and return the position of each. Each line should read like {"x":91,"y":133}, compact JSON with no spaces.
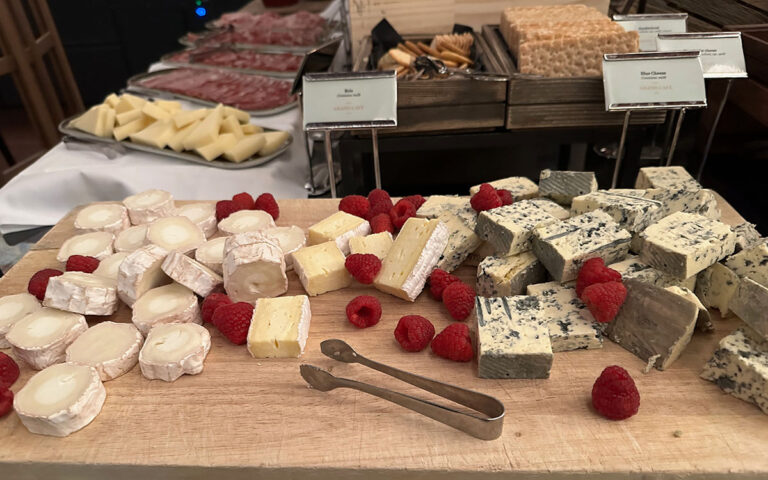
{"x":446,"y":104}
{"x":538,"y":102}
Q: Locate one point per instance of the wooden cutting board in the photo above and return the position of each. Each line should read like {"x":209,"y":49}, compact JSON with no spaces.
{"x":249,"y":418}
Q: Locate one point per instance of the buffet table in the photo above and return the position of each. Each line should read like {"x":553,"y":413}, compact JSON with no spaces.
{"x":256,"y":418}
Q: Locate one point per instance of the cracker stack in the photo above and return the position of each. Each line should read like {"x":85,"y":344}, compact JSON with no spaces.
{"x":563,"y":40}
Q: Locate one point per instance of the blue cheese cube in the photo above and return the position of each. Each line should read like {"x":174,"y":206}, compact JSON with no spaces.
{"x":564,"y":246}
{"x":632,"y":267}
{"x":509,"y":228}
{"x":740,"y":367}
{"x":512,"y":340}
{"x":681,"y":199}
{"x":703,"y":321}
{"x":750,"y":303}
{"x":683,"y":244}
{"x":747,"y":236}
{"x":521,"y":188}
{"x":715,"y":286}
{"x":571,"y":325}
{"x":561,"y":186}
{"x":437,"y":204}
{"x":752,"y":263}
{"x":664,"y":177}
{"x":508,"y":276}
{"x":461,"y":242}
{"x":551,"y":207}
{"x":631,"y":212}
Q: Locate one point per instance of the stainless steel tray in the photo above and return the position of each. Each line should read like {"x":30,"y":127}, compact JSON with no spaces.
{"x":152,"y":92}
{"x":166,"y":59}
{"x":332,"y":31}
{"x":189,"y":157}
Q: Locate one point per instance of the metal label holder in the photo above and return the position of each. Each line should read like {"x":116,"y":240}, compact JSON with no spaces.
{"x":675,"y":23}
{"x":629,"y":107}
{"x":740,"y":71}
{"x":388,"y":120}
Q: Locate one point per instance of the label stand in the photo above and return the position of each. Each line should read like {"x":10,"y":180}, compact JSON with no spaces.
{"x":675,"y":137}
{"x":620,"y":151}
{"x":711,"y":135}
{"x":329,"y":160}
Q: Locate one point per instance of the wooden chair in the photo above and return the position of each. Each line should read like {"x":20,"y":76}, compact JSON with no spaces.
{"x":32,"y":54}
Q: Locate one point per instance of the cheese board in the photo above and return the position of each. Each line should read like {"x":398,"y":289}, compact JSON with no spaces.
{"x":244,"y":416}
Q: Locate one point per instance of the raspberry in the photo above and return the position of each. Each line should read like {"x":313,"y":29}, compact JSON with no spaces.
{"x":233,"y":321}
{"x":211,"y":303}
{"x":594,"y":271}
{"x":380,"y":201}
{"x":604,"y":300}
{"x":39,"y":282}
{"x":454,"y":343}
{"x":363,"y":266}
{"x":364,"y":311}
{"x":267,"y":202}
{"x":243,"y":200}
{"x":438,"y":280}
{"x":459,"y":298}
{"x":382,"y":223}
{"x":6,"y":401}
{"x":225,"y":208}
{"x":505,"y":196}
{"x":81,"y":263}
{"x":355,"y":205}
{"x":416,"y":200}
{"x":414,"y":332}
{"x":402,"y":211}
{"x":614,"y":394}
{"x":485,"y":199}
{"x":9,"y":371}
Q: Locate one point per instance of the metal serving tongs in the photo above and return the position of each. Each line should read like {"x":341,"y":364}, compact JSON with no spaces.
{"x":436,"y":66}
{"x":486,"y":428}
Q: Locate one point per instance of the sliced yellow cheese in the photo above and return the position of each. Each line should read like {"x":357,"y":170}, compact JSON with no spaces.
{"x":246,"y":147}
{"x":321,"y":268}
{"x":128,"y":117}
{"x":279,"y":327}
{"x":109,"y":123}
{"x":124,"y":131}
{"x":129,"y":102}
{"x":185,"y":117}
{"x":112,"y":100}
{"x":243,"y":117}
{"x":93,"y":121}
{"x":249,"y":128}
{"x":155,"y":135}
{"x":231,"y":125}
{"x":205,"y":133}
{"x":273,"y":142}
{"x":215,"y":149}
{"x":176,"y":143}
{"x":155,"y":111}
{"x":170,"y":106}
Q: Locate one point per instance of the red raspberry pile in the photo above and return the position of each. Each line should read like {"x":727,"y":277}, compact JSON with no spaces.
{"x":377,"y":208}
{"x":244,"y":201}
{"x":457,"y":296}
{"x":488,"y":198}
{"x":615,"y":395}
{"x":9,"y":373}
{"x":81,"y":263}
{"x":363,"y":267}
{"x":601,"y":290}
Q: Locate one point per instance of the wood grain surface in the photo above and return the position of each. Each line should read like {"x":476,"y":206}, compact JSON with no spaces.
{"x":255,"y":418}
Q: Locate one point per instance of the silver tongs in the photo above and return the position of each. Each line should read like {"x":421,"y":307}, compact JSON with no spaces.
{"x":487,"y":428}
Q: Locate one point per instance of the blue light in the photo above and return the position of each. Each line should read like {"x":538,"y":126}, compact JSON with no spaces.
{"x":201,"y":11}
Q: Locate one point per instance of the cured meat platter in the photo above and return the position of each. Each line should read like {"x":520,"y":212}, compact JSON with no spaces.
{"x":244,"y":60}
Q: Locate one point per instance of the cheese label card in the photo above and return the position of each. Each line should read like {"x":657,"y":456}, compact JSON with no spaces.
{"x":333,"y":101}
{"x":641,"y":81}
{"x":650,"y":25}
{"x":721,"y":53}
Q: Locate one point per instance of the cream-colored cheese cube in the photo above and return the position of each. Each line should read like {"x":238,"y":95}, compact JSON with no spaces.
{"x":279,"y":327}
{"x":339,"y":228}
{"x":377,"y":244}
{"x":321,"y":268}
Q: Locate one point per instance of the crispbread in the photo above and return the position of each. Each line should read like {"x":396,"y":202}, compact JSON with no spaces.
{"x":457,"y":43}
{"x":538,"y":32}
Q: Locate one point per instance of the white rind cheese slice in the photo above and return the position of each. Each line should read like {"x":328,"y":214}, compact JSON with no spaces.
{"x":193,"y":275}
{"x":111,"y":348}
{"x":321,"y":268}
{"x":211,"y":254}
{"x":41,"y":338}
{"x":279,"y":327}
{"x":148,"y":206}
{"x":12,"y":309}
{"x":562,"y":186}
{"x":171,"y":351}
{"x":339,"y":228}
{"x":254,"y":271}
{"x":172,"y":303}
{"x":202,"y":214}
{"x":571,"y":325}
{"x":412,"y":258}
{"x":289,"y":239}
{"x":521,"y":188}
{"x":139,"y":272}
{"x":109,"y":266}
{"x":246,"y":221}
{"x":110,"y":218}
{"x":131,"y":239}
{"x":60,"y":400}
{"x":376,"y":244}
{"x":84,"y":293}
{"x":175,"y":233}
{"x":94,"y":244}
{"x":508,"y":276}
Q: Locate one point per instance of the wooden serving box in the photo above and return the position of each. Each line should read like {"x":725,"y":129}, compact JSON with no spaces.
{"x":535,"y":102}
{"x":446,"y":104}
